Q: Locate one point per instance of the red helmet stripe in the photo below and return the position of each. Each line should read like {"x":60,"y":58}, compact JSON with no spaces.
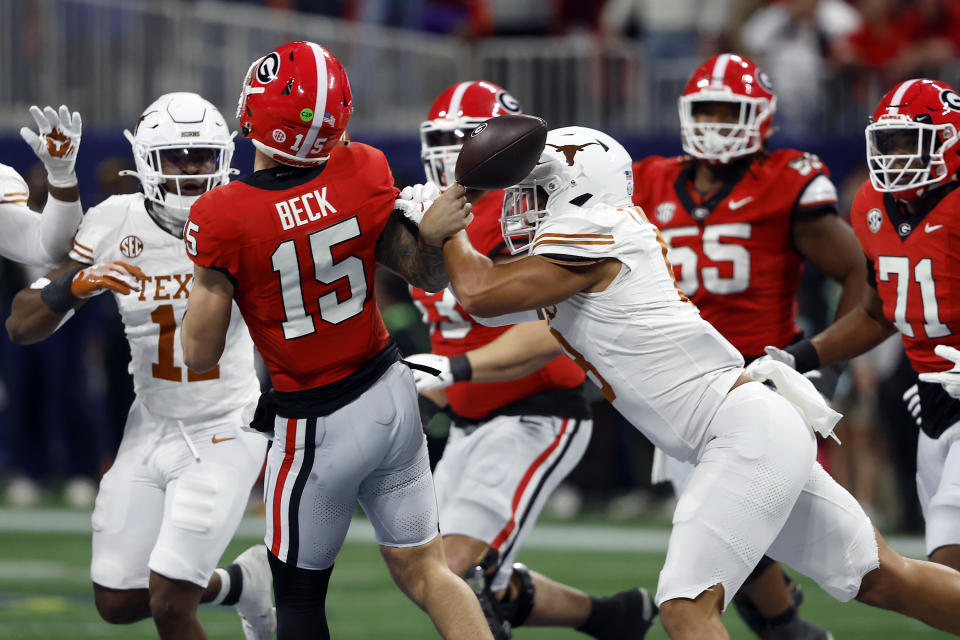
{"x":720,"y":69}
{"x":320,"y":104}
{"x":894,"y":107}
{"x":454,"y":110}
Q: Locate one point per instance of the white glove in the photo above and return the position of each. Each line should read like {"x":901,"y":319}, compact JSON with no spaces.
{"x":911,"y":397}
{"x":779,"y":355}
{"x":426,"y":380}
{"x":415,"y":200}
{"x":56,"y":144}
{"x":949,"y":379}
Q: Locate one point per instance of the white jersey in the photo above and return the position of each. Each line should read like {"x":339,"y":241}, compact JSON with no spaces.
{"x":121,"y":229}
{"x":640,"y":340}
{"x":26,"y":236}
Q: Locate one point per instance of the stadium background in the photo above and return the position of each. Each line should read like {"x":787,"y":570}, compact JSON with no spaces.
{"x":616,"y":65}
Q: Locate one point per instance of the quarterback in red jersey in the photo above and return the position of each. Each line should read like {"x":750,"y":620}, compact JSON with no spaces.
{"x":296,"y":244}
{"x":906,"y":220}
{"x":739,"y":221}
{"x":511,"y":442}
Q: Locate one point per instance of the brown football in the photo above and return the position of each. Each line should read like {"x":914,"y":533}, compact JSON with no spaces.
{"x":501,"y":152}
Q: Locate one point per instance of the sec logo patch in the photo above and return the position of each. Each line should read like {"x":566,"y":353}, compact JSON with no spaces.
{"x":874,"y":220}
{"x":665,"y":211}
{"x":131,"y":246}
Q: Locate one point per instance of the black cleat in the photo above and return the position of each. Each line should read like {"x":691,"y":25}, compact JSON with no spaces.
{"x":500,"y":628}
{"x":635,"y":614}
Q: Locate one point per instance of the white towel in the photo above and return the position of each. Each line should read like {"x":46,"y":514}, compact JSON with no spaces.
{"x":801,"y":393}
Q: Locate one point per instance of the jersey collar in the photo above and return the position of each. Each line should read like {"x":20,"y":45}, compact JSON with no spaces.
{"x":905,"y":225}
{"x":699,"y":212}
{"x":282,"y":177}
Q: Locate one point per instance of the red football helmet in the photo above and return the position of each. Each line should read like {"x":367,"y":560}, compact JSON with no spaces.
{"x":737,"y":80}
{"x":454,"y":114}
{"x":912,"y":138}
{"x":295,"y":104}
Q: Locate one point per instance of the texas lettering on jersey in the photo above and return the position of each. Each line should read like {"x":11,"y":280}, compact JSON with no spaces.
{"x":732,"y":252}
{"x":454,"y":332}
{"x":299,"y":244}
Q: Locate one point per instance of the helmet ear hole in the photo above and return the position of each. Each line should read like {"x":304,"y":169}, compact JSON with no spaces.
{"x":581,"y":199}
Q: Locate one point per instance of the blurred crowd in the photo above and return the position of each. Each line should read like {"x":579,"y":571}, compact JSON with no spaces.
{"x":63,"y":402}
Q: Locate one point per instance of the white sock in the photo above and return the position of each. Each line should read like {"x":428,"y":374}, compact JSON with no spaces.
{"x":224,"y":586}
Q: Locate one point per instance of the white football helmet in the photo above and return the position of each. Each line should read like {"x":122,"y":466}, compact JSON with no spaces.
{"x":182,"y":149}
{"x":579,"y":168}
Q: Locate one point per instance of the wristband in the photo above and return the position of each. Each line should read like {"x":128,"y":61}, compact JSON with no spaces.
{"x":460,"y":368}
{"x":64,"y":182}
{"x":57,"y":295}
{"x":805,"y":354}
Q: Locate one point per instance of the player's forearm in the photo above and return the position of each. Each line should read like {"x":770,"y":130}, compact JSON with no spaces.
{"x":854,"y":284}
{"x":31,"y":320}
{"x":469,"y":272}
{"x":428,"y":272}
{"x":853,"y":334}
{"x":517,"y":352}
{"x":58,"y":224}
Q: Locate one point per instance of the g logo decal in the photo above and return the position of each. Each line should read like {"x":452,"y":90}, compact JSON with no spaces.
{"x":508,"y":102}
{"x":950,"y":99}
{"x":269,"y":68}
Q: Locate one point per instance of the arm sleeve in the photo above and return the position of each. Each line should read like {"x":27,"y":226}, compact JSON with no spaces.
{"x":58,"y":226}
{"x":20,"y":228}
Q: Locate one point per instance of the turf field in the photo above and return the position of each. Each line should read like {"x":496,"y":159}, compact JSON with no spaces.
{"x":45,"y":591}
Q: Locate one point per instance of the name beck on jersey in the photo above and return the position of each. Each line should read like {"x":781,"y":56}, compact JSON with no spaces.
{"x":291,"y":210}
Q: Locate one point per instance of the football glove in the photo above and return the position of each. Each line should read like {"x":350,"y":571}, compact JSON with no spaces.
{"x":56,"y":143}
{"x":780,"y":355}
{"x":950,"y":380}
{"x":415,"y":200}
{"x":112,"y":275}
{"x":911,"y":397}
{"x":431,"y":371}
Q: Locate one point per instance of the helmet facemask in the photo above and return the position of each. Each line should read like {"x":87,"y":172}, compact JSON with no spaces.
{"x":905,"y":156}
{"x":526,"y":205}
{"x":722,"y":142}
{"x":440,"y":145}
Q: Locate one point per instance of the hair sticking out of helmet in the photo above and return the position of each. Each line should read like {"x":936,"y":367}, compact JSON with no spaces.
{"x":578,"y":169}
{"x":295,"y":104}
{"x":453,"y":115}
{"x":912,"y":139}
{"x":182,"y":148}
{"x":713,"y":135}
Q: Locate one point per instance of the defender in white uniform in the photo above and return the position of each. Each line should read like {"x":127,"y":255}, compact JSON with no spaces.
{"x":174,"y":496}
{"x":25,"y":236}
{"x":598,"y":271}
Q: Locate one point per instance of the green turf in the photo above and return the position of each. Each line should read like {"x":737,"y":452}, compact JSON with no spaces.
{"x":45,"y":593}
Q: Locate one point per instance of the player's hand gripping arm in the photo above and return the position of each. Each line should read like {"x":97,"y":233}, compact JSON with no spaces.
{"x":520,"y":350}
{"x":40,"y":310}
{"x":829,"y":243}
{"x":203,"y":333}
{"x":417,"y":257}
{"x":855,"y":333}
{"x":56,"y":143}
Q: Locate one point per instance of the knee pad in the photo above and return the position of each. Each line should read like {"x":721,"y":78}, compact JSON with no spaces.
{"x":517,"y":609}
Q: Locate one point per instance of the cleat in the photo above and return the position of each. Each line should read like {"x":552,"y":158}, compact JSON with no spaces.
{"x":257,"y":613}
{"x":637,"y":611}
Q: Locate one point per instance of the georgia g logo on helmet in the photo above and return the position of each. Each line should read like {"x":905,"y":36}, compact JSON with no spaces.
{"x":269,"y":68}
{"x":950,"y":99}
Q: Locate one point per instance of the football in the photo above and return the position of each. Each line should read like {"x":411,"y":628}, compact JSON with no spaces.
{"x":501,"y":152}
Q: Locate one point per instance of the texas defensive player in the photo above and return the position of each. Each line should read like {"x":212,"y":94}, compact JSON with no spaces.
{"x":906,"y":220}
{"x":174,"y":496}
{"x":739,"y":221}
{"x":296,"y":245}
{"x":511,"y":443}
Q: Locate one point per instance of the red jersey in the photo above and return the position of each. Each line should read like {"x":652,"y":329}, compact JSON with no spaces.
{"x":454,"y":332}
{"x":914,"y":264}
{"x":732,"y":252}
{"x":299,"y":246}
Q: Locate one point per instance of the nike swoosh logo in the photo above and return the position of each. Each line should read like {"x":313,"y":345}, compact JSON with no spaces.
{"x":930,"y":228}
{"x":216,"y":440}
{"x":736,"y":204}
